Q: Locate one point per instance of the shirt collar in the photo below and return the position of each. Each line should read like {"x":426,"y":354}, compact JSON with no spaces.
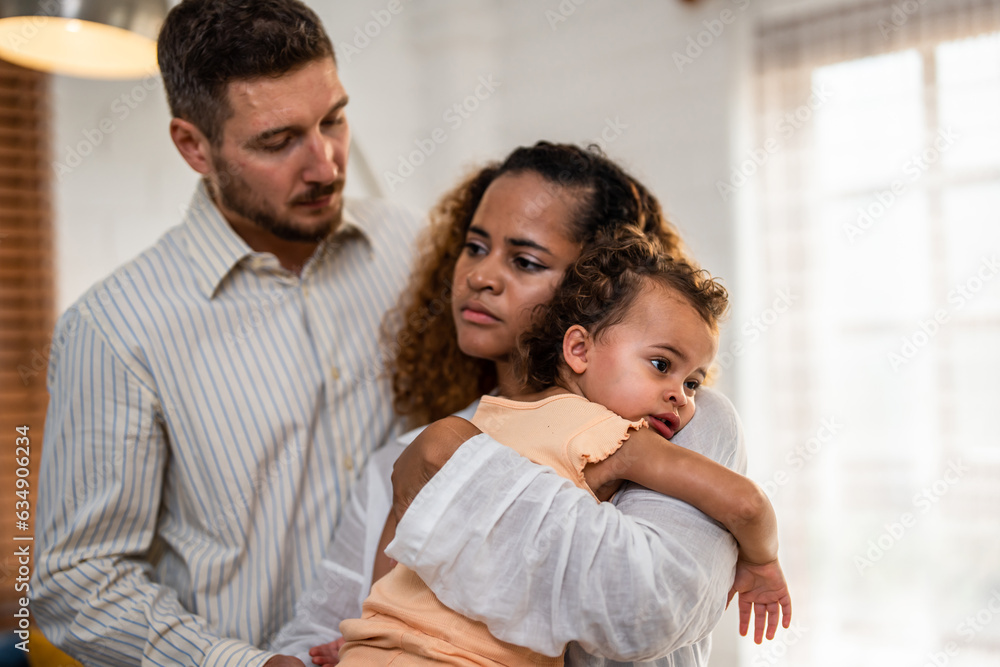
{"x":216,"y":249}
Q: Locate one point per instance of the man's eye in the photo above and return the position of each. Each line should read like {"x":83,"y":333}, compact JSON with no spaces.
{"x":273,"y":147}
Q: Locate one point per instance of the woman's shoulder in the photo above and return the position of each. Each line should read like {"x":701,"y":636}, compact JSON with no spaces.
{"x":716,"y":431}
{"x":716,"y":404}
{"x":466,"y":413}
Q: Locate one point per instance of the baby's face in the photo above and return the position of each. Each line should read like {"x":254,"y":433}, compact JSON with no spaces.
{"x":651,"y":364}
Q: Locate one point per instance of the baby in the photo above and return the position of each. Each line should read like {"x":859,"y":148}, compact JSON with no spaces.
{"x":630,"y":333}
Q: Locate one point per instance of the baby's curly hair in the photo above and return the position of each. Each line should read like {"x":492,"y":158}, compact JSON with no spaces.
{"x":597,"y":292}
{"x":431,"y":376}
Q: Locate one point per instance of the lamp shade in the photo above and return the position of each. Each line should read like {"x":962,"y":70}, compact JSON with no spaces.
{"x":101,"y":39}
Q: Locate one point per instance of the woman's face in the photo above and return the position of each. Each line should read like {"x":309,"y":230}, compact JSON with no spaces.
{"x":517,"y":249}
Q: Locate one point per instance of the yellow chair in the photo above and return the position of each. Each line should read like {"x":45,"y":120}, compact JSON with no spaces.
{"x":44,"y":654}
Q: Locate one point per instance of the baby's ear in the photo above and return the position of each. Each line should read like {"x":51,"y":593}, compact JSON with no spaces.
{"x":576,"y":346}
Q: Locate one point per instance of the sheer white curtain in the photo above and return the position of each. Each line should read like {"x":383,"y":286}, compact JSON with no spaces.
{"x":872,"y":372}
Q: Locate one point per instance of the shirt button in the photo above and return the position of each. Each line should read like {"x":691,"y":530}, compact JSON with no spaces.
{"x":348,"y":463}
{"x":305,"y":291}
{"x":335,"y":372}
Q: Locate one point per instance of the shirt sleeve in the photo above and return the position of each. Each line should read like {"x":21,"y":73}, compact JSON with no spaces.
{"x":101,"y":476}
{"x":509,"y":543}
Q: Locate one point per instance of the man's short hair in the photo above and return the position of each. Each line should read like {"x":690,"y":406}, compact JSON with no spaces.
{"x":206,"y":44}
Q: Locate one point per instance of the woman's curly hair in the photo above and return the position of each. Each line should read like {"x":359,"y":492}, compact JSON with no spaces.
{"x":431,"y":376}
{"x":597,"y":292}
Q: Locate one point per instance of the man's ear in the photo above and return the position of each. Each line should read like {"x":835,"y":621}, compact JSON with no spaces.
{"x":577,"y":342}
{"x":193,"y":146}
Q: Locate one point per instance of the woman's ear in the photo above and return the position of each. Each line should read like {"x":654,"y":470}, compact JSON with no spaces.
{"x":192,"y":145}
{"x":576,"y":346}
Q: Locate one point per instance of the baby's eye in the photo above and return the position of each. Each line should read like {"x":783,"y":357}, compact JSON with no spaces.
{"x":661,"y":365}
{"x":692,"y":386}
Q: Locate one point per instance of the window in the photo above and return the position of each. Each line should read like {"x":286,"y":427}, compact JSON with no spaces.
{"x":873,"y":400}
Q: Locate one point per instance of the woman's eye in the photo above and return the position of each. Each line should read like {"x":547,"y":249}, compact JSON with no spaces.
{"x":526,"y":264}
{"x":661,"y":365}
{"x":475,"y":248}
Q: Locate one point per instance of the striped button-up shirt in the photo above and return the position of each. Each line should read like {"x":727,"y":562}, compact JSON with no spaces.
{"x":209,"y":413}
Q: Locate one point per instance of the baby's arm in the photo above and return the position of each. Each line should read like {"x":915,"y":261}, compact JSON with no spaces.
{"x":728,"y":497}
{"x":733,"y":500}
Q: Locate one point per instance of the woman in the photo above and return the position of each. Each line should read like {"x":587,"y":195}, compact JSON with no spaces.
{"x":498,"y":246}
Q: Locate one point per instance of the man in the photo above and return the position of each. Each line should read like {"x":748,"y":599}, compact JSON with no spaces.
{"x":213,"y":400}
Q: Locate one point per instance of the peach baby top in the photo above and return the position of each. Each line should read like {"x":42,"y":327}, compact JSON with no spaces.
{"x":402,"y":621}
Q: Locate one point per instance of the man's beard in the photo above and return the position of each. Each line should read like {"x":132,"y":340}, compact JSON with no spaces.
{"x":236,"y":196}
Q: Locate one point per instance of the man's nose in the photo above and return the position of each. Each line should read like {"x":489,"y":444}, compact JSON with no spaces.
{"x":321,"y":165}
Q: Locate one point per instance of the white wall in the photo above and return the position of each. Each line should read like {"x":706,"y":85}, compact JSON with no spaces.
{"x":119,"y":183}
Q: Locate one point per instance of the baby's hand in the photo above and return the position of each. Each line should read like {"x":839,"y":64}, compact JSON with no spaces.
{"x":763,"y":589}
{"x":327,"y":655}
